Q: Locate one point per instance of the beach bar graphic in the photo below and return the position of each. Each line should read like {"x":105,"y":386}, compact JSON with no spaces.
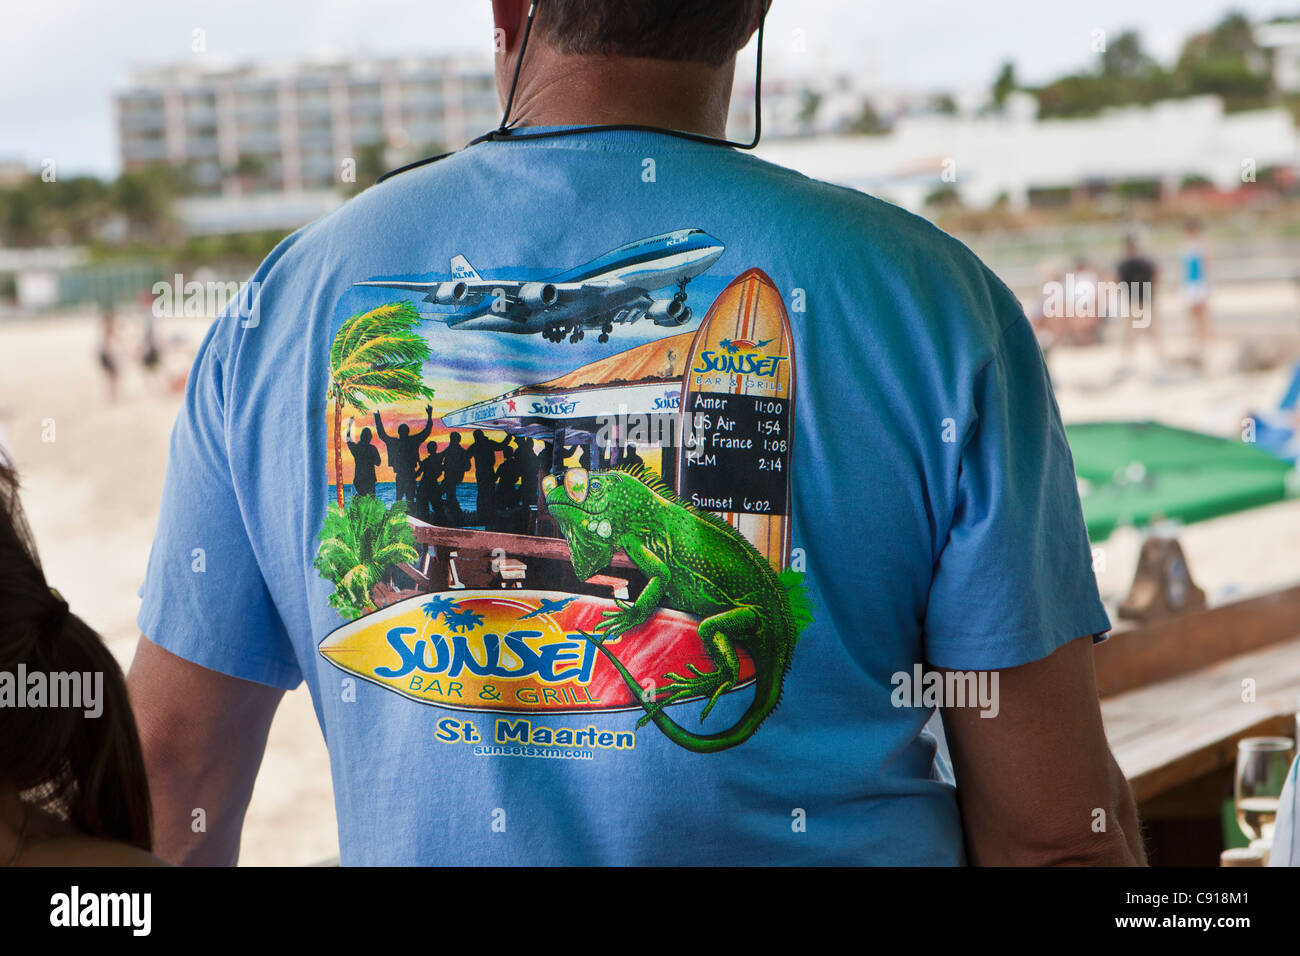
{"x":643,"y":383}
{"x":738,"y":414}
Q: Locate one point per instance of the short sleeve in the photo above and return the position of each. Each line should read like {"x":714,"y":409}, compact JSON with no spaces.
{"x":204,"y":596}
{"x":1014,"y":579}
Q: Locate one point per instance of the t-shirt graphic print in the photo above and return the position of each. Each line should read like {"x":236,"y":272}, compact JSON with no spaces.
{"x":560,"y":541}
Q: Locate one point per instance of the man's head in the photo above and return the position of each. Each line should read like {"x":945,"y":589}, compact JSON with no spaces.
{"x":693,"y":31}
{"x":663,"y":63}
{"x":403,"y":431}
{"x":365,"y":436}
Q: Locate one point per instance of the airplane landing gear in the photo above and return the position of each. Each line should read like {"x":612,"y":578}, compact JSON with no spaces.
{"x":605,"y":329}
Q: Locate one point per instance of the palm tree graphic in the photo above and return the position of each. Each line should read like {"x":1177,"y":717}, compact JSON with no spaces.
{"x":358,"y":546}
{"x":375,"y":357}
{"x":439,"y":606}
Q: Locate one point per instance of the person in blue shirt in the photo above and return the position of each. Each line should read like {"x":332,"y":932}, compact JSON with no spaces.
{"x":1196,"y":287}
{"x":855,"y":507}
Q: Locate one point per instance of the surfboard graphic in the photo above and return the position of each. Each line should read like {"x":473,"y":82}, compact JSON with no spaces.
{"x":513,"y":651}
{"x":737,"y":414}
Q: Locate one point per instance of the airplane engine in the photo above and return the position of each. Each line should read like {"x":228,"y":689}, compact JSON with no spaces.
{"x":669,"y":313}
{"x":538,"y":295}
{"x":450,"y":293}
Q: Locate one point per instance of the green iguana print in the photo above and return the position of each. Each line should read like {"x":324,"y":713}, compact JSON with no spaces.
{"x":696,"y":563}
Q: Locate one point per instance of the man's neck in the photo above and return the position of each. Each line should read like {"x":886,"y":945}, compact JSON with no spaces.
{"x":557,"y":90}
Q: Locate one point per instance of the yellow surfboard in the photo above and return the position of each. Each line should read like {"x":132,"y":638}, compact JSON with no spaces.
{"x":737,"y":414}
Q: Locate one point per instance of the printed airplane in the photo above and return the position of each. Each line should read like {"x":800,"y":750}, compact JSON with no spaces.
{"x":616,"y":287}
{"x":547,"y":606}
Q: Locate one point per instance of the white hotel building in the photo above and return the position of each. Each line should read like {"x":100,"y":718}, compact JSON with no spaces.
{"x":292,"y":127}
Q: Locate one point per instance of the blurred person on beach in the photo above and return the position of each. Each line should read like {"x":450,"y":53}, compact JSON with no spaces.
{"x":150,"y":354}
{"x":1067,"y":311}
{"x":1136,"y":274}
{"x":1085,"y":328}
{"x":957,"y":544}
{"x":1044,"y":314}
{"x":108,"y":357}
{"x":1195,"y":258}
{"x":72,"y":776}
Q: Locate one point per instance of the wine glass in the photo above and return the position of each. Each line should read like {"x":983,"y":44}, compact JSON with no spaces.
{"x":1262,"y":765}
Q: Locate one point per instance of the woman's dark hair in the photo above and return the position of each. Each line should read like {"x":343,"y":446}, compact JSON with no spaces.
{"x":88,"y":771}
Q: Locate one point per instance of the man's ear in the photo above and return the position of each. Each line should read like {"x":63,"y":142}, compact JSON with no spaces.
{"x":509,"y":16}
{"x":763,"y":7}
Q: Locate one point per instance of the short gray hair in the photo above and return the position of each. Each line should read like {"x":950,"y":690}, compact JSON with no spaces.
{"x":704,"y":31}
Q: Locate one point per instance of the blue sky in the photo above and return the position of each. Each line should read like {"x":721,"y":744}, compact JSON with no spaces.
{"x":62,"y":60}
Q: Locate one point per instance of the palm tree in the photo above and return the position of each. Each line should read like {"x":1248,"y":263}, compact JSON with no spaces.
{"x":358,"y":546}
{"x":376,"y":357}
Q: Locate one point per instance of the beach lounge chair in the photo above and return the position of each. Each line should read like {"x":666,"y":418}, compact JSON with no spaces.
{"x":1162,"y":586}
{"x":1276,"y":431}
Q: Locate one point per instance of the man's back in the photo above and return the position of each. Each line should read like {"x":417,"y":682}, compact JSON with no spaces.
{"x":853,"y":420}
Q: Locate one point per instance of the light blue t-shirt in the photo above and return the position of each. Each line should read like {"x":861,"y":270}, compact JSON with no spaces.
{"x":654,"y":414}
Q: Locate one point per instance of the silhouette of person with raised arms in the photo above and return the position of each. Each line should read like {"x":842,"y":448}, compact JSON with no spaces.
{"x":483,"y":451}
{"x":404,"y":452}
{"x":428,"y":499}
{"x":365,"y":458}
{"x":455,"y":462}
{"x":631,"y":459}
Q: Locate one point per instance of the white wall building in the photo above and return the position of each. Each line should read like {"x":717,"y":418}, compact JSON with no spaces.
{"x":1011,"y":154}
{"x":293,"y":126}
{"x":1283,"y":39}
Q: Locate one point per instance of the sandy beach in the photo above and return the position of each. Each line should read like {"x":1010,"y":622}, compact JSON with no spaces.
{"x":92,"y":494}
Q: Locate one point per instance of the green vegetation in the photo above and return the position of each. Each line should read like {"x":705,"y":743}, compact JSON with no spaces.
{"x":357,"y":547}
{"x":1225,"y":61}
{"x":1005,"y":84}
{"x":945,"y":196}
{"x":79,"y":210}
{"x":867,"y":123}
{"x":809,"y":103}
